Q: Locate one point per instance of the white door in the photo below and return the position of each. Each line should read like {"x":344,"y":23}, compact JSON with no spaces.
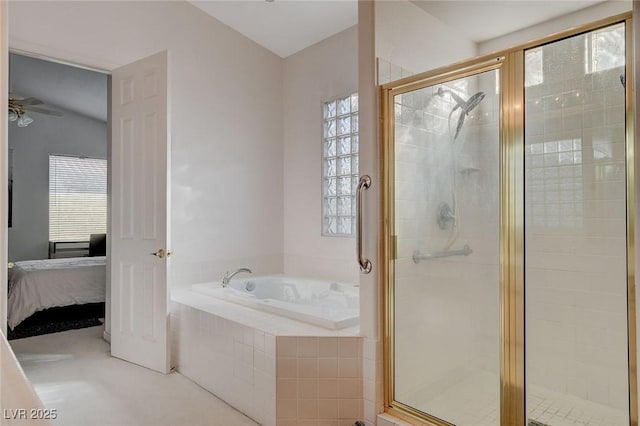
{"x":140,"y":213}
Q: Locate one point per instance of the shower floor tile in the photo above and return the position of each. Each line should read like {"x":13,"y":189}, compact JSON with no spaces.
{"x":469,"y":403}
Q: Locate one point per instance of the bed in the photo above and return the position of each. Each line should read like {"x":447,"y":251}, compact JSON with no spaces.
{"x":35,"y":285}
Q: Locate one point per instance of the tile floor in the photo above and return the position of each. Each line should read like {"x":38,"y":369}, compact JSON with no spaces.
{"x":73,"y":372}
{"x":469,"y":403}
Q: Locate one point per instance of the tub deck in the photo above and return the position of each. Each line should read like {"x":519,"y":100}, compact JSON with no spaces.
{"x":250,"y":317}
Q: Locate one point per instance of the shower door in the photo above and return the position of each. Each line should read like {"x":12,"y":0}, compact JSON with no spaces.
{"x":444,"y":168}
{"x":509,"y":201}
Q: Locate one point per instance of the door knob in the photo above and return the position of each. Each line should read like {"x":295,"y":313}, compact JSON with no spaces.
{"x":159,"y":253}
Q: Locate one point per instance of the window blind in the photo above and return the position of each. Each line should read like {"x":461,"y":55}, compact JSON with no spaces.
{"x":77,"y":197}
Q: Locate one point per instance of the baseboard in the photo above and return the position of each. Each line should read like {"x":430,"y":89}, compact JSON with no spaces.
{"x":106,"y":336}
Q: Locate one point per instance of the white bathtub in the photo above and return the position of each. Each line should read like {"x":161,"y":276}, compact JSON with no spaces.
{"x":328,"y":304}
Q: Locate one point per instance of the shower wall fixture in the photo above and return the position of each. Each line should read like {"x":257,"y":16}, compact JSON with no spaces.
{"x":448,"y":217}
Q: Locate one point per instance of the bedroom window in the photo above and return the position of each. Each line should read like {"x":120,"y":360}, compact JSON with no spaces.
{"x":340,"y":165}
{"x":77,"y":197}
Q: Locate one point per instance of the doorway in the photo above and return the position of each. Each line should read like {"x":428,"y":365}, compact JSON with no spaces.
{"x":58,"y":134}
{"x":136,"y":275}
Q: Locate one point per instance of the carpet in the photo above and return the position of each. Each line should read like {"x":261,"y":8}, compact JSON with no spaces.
{"x":54,"y":320}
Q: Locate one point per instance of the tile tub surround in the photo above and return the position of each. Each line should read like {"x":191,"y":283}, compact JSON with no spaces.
{"x":275,"y":370}
{"x":319,"y":379}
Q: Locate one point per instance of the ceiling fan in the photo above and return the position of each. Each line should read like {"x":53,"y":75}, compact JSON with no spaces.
{"x":18,"y":107}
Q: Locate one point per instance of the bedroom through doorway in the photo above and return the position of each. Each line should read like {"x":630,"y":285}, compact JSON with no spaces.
{"x":58,"y":194}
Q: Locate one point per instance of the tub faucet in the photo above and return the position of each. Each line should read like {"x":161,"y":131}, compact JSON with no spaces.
{"x":228,"y":276}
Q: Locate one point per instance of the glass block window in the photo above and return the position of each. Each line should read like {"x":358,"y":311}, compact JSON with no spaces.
{"x":534,"y":67}
{"x":77,"y":197}
{"x":555,"y":183}
{"x":605,"y":49}
{"x":340,"y":165}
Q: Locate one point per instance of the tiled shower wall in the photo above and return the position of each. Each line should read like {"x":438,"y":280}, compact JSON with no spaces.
{"x":446,"y":310}
{"x":575,"y":225}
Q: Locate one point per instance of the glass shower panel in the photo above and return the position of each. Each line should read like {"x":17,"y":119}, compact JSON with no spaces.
{"x":446,"y":274}
{"x":575,"y":231}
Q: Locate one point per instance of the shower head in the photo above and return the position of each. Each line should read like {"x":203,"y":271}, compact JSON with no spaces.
{"x":459,"y":101}
{"x":465,"y":106}
{"x":472,"y":102}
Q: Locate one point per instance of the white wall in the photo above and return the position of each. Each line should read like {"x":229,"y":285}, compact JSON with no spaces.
{"x":318,"y":73}
{"x":410,"y":38}
{"x":369,"y":161}
{"x":552,"y":26}
{"x":226,"y":97}
{"x":72,"y":134}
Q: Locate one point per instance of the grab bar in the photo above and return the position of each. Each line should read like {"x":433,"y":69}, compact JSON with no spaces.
{"x":418,"y":256}
{"x":363,"y":183}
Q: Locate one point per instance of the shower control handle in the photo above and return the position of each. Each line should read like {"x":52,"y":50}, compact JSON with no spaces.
{"x":363,"y":183}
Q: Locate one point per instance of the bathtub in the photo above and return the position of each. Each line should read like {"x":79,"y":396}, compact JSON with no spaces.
{"x":327,"y":304}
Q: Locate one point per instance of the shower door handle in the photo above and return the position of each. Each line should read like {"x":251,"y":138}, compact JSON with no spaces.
{"x":363,"y":183}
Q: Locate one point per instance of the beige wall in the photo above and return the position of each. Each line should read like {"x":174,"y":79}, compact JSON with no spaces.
{"x":316,"y":74}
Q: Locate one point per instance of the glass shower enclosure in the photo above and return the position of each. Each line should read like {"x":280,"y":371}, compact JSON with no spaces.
{"x":507,"y":239}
